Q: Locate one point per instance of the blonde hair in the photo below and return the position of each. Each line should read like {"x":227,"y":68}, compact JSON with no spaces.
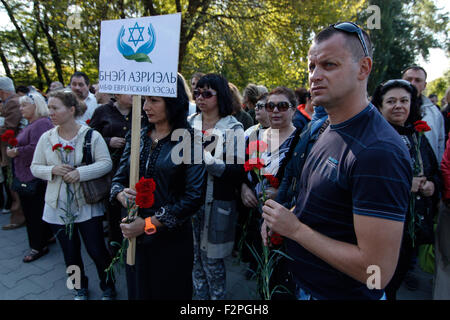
{"x":38,"y":100}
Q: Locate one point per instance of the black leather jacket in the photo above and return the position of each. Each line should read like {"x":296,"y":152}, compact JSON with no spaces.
{"x":179,"y":187}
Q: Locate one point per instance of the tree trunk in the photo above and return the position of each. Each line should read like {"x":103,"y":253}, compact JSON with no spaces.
{"x":25,"y":43}
{"x":5,"y":64}
{"x":51,"y":42}
{"x":193,"y":19}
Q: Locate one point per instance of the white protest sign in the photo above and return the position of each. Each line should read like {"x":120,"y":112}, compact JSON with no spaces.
{"x":140,"y":56}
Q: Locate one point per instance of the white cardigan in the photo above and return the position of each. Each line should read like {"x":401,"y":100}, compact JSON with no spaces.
{"x":45,"y":159}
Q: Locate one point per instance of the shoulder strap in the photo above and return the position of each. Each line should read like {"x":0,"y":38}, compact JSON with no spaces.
{"x":288,"y":157}
{"x":87,"y":156}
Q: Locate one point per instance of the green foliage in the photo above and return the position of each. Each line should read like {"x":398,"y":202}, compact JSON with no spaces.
{"x":259,"y":41}
{"x":439,"y":86}
{"x":408,"y":30}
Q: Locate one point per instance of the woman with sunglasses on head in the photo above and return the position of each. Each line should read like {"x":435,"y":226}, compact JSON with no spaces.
{"x":31,"y":190}
{"x":214,"y":225}
{"x":163,"y":232}
{"x":397,"y":101}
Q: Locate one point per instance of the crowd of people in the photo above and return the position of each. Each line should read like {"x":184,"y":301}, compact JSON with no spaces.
{"x":345,"y":178}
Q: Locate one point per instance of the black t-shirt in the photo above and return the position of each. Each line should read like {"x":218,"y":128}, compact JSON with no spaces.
{"x":360,"y":166}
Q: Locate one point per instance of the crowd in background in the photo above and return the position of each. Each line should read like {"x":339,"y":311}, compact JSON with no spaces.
{"x":202,"y":212}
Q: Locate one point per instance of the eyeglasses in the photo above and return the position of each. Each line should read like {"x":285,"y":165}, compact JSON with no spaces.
{"x":351,"y":27}
{"x":259,"y":106}
{"x":281,"y":106}
{"x":205,"y":94}
{"x":393,"y":81}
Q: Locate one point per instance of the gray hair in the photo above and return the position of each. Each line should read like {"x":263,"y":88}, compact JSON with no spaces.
{"x":38,"y":100}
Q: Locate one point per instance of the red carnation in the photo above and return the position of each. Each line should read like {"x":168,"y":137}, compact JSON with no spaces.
{"x":276,"y":239}
{"x":421,"y":126}
{"x":56,"y":146}
{"x":253,"y":163}
{"x":68,"y":148}
{"x":272,"y":180}
{"x":256,"y":146}
{"x":145,"y":185}
{"x":88,"y":121}
{"x":7,"y":135}
{"x":145,"y":199}
{"x":13,"y":142}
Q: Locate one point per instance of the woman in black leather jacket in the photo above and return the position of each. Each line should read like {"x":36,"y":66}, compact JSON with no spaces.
{"x":164,"y":259}
{"x":397,"y":101}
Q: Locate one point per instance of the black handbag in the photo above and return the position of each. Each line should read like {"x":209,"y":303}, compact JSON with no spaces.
{"x":94,"y":190}
{"x":25,"y":188}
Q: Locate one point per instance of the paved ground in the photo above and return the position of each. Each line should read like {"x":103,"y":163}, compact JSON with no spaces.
{"x":45,"y":278}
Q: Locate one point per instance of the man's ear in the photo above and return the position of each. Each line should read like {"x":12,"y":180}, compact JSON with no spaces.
{"x":365,"y":66}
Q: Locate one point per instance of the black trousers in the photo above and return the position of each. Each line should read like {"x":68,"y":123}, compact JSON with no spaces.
{"x":163,"y":269}
{"x":5,"y":200}
{"x":38,"y":231}
{"x":92,"y":233}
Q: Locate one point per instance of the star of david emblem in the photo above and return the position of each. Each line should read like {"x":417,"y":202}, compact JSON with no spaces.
{"x":140,"y":37}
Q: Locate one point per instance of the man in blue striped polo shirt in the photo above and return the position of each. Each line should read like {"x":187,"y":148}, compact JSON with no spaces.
{"x":345,"y":231}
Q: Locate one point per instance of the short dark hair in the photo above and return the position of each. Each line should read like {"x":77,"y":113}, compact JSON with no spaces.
{"x":289,"y":93}
{"x":177,"y":108}
{"x":262,"y":96}
{"x":78,"y":74}
{"x":252,"y":92}
{"x":382,"y":89}
{"x":432,"y":96}
{"x":302,"y":95}
{"x":416,"y":68}
{"x":220,"y":84}
{"x":69,"y":99}
{"x":353,"y":42}
{"x":22,"y":89}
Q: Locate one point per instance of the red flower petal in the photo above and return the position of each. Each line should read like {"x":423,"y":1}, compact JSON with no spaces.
{"x":272,"y":180}
{"x":253,"y":163}
{"x":145,"y":185}
{"x":421,"y":126}
{"x":56,"y":146}
{"x":256,"y":146}
{"x":13,"y":142}
{"x":276,"y":239}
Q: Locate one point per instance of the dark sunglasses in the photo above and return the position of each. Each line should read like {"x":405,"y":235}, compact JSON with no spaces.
{"x":351,"y":27}
{"x":205,"y":94}
{"x":259,"y":106}
{"x":281,"y":106}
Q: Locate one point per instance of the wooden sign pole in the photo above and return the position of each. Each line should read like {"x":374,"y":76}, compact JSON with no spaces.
{"x":134,"y":164}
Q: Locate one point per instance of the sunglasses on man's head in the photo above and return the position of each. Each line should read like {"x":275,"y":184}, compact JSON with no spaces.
{"x":205,"y":94}
{"x":281,"y":106}
{"x":351,"y":27}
